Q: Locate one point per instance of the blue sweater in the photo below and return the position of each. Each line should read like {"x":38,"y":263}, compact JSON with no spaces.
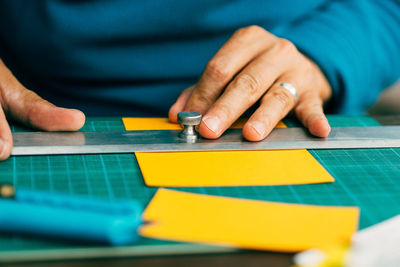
{"x":129,"y":57}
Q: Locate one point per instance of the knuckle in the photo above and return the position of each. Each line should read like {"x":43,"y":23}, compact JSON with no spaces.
{"x":306,"y":69}
{"x":248,"y":83}
{"x":200,"y":99}
{"x":287,"y":47}
{"x":225,"y":112}
{"x":282,"y":96}
{"x":217,"y":70}
{"x":307,"y":66}
{"x":34,"y":114}
{"x":253,"y":30}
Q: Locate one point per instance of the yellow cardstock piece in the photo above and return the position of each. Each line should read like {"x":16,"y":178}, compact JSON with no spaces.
{"x":141,"y":124}
{"x":249,"y":224}
{"x":231,"y":168}
{"x":224,"y":168}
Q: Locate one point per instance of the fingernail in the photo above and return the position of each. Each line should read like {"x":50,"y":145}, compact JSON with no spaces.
{"x":212,"y":123}
{"x":258,"y":127}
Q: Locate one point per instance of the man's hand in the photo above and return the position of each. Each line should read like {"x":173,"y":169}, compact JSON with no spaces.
{"x":247,"y":68}
{"x":25,"y":106}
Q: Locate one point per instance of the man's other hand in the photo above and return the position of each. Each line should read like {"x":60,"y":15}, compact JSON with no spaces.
{"x":23,"y":105}
{"x":248,"y":68}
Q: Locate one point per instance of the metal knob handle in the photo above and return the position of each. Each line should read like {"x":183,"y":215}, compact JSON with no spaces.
{"x":189,"y":120}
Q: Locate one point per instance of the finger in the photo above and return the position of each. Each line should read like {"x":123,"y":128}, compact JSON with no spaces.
{"x":36,"y":112}
{"x":6,"y":141}
{"x":28,"y":108}
{"x":310,"y":112}
{"x":274,"y":106}
{"x":179,"y":105}
{"x":245,"y":45}
{"x":246,"y":89}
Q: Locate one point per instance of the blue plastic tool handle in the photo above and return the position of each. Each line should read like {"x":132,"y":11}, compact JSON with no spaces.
{"x":71,"y":217}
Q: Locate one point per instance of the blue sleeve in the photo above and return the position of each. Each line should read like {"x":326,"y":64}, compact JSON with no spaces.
{"x":356,"y":43}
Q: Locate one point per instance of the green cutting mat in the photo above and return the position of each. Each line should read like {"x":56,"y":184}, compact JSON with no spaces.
{"x":367,"y":178}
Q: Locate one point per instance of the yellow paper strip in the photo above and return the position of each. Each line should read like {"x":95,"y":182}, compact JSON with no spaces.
{"x":224,"y":168}
{"x":249,"y":224}
{"x":231,"y":168}
{"x":141,"y":124}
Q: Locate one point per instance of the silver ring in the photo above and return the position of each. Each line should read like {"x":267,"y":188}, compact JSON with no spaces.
{"x":290,"y":88}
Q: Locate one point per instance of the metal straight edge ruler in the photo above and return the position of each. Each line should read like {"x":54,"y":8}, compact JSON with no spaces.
{"x":51,"y":143}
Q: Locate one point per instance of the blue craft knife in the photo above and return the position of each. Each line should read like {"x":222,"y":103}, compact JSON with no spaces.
{"x":68,"y":217}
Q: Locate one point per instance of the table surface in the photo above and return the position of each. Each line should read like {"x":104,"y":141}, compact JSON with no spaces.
{"x":248,"y":258}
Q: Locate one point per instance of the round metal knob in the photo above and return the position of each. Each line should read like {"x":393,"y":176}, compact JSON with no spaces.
{"x":189,"y":119}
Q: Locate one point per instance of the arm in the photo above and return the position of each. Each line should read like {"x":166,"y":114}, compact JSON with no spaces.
{"x":357,"y":46}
